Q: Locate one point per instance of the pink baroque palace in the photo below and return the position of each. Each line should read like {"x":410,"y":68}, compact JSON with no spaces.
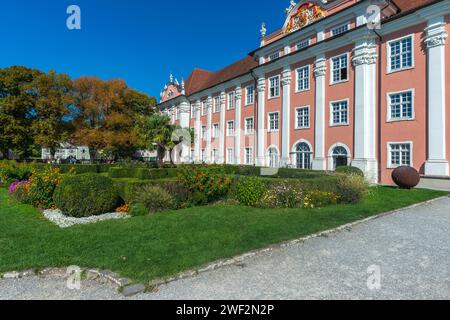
{"x":343,"y":82}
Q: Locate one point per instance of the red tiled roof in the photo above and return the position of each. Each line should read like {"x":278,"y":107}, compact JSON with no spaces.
{"x":406,"y":5}
{"x":202,"y":79}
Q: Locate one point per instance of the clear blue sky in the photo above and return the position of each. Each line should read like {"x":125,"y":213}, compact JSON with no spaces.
{"x":137,"y":40}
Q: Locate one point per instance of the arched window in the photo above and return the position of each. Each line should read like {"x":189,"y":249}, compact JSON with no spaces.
{"x":340,"y":157}
{"x":303,"y":156}
{"x":273,"y":158}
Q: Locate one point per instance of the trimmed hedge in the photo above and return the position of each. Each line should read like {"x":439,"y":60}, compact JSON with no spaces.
{"x":86,"y":195}
{"x":142,"y":173}
{"x":350,"y":170}
{"x":127,"y":188}
{"x":76,"y":168}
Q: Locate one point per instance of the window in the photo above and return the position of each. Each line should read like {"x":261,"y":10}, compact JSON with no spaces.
{"x":303,"y":79}
{"x":274,"y":56}
{"x":230,"y":155}
{"x":192,"y":155}
{"x":231,"y":100}
{"x":203,"y":133}
{"x":339,"y":30}
{"x":230,"y":128}
{"x":216,"y":130}
{"x":401,"y":106}
{"x":339,"y":68}
{"x":203,"y":155}
{"x":340,"y":157}
{"x":248,"y":155}
{"x":399,"y":154}
{"x":192,"y":111}
{"x":274,"y":87}
{"x":204,"y":108}
{"x":400,"y":54}
{"x":273,"y":158}
{"x":249,"y":125}
{"x":273,"y":121}
{"x":250,"y":95}
{"x":303,"y":156}
{"x":215,"y":157}
{"x":302,"y":118}
{"x":303,"y":44}
{"x":339,"y":112}
{"x":216,"y":104}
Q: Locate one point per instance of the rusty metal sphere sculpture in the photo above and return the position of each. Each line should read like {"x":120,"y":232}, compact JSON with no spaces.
{"x":406,"y":177}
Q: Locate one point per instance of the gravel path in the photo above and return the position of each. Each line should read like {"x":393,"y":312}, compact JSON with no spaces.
{"x":411,"y":249}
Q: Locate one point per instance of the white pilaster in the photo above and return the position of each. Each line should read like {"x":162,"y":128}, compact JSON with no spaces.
{"x":320,"y":70}
{"x":437,"y":163}
{"x":237,"y":129}
{"x":222,"y":129}
{"x":286,"y":120}
{"x":364,"y":61}
{"x":184,"y":123}
{"x":261,"y":158}
{"x":209,"y":130}
{"x":198,"y":130}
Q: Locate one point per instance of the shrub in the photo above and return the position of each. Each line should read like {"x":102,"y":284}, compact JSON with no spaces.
{"x":350,"y":170}
{"x":155,"y":199}
{"x":11,"y":171}
{"x":287,"y":173}
{"x":86,"y":195}
{"x":138,"y":210}
{"x":249,"y":191}
{"x":127,"y":188}
{"x":351,"y":188}
{"x":319,"y":199}
{"x":20,"y":190}
{"x":204,"y":184}
{"x":42,"y":187}
{"x":282,"y":195}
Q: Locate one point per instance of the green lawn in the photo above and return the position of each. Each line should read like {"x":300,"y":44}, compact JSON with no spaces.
{"x":156,"y":246}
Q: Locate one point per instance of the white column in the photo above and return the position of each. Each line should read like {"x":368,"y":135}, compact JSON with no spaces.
{"x":437,"y":163}
{"x":184,"y":123}
{"x":320,"y":70}
{"x":237,"y":129}
{"x":222,"y":129}
{"x":286,"y":120}
{"x":198,"y":130}
{"x":261,"y":158}
{"x":364,"y":61}
{"x":208,"y":130}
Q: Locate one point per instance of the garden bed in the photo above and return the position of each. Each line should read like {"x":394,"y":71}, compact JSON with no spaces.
{"x":161,"y":245}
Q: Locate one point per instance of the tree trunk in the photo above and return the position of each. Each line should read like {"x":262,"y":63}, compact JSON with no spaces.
{"x":161,"y":153}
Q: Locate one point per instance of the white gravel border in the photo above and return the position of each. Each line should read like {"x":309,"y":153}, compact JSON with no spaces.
{"x":62,"y":221}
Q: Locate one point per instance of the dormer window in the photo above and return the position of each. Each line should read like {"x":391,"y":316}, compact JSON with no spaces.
{"x":274,"y":56}
{"x":339,"y":30}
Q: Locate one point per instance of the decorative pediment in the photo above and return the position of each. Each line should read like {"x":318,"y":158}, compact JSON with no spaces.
{"x":172,"y":90}
{"x":302,"y":14}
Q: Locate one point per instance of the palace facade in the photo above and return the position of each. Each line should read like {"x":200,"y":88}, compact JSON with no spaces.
{"x":343,"y":82}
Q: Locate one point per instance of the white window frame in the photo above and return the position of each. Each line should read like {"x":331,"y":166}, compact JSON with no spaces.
{"x":297,"y":79}
{"x":203,"y":155}
{"x":389,"y":154}
{"x":252,"y":160}
{"x":246,"y":132}
{"x":231,"y":100}
{"x":203,"y":132}
{"x":270,"y":96}
{"x":332,"y":124}
{"x":216,"y":102}
{"x":344,"y":25}
{"x":230,"y":134}
{"x":214,"y":133}
{"x":296,"y":117}
{"x":204,"y":108}
{"x":389,"y":106}
{"x":389,"y":55}
{"x":274,"y":56}
{"x":247,"y":103}
{"x":230,"y":155}
{"x":332,"y":82}
{"x":269,"y":129}
{"x":308,"y":41}
{"x":193,"y":113}
{"x":215,"y":156}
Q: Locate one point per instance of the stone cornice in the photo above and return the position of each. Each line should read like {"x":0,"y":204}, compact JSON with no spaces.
{"x":364,"y":54}
{"x":436,"y":35}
